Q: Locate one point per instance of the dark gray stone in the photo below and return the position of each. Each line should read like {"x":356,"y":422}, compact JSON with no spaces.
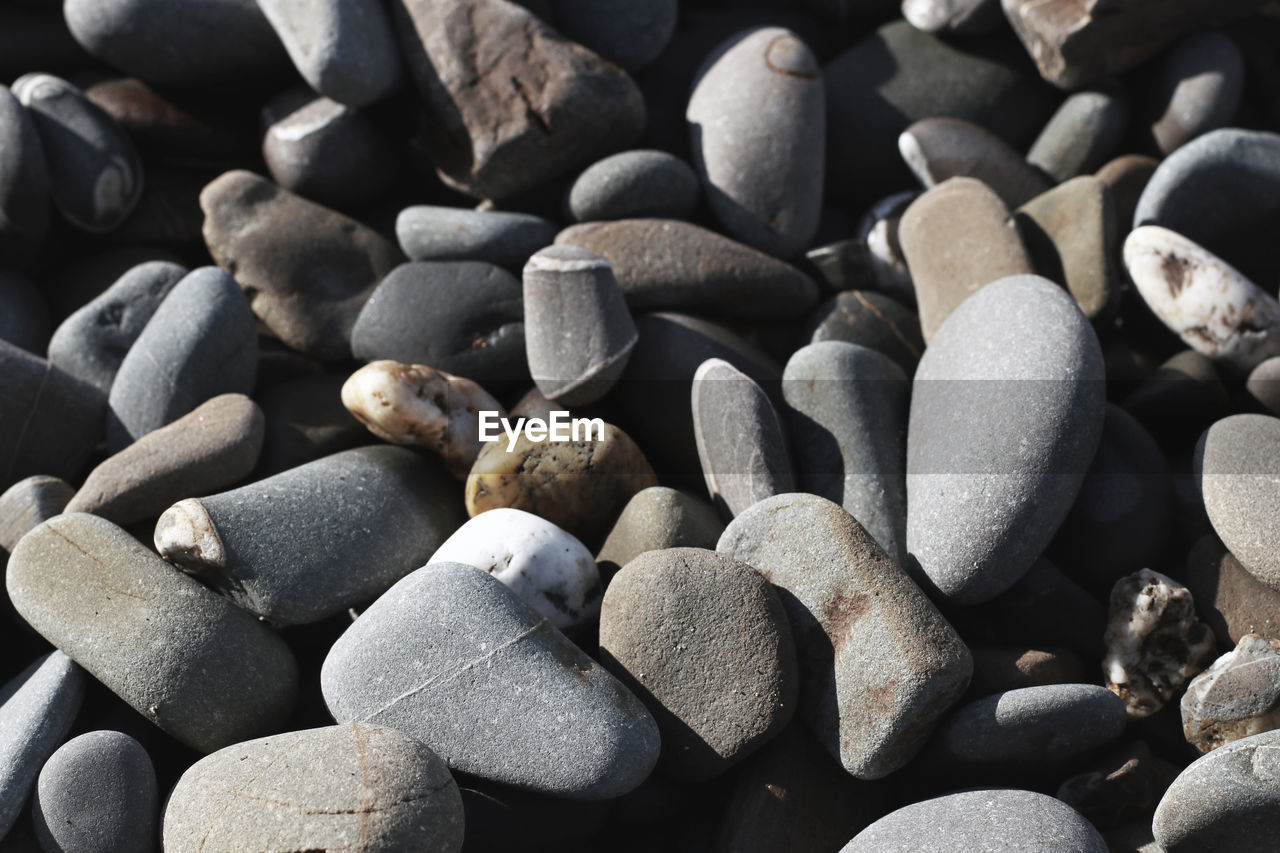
{"x":1125,"y":785}
{"x":27,"y":503}
{"x":654,"y":519}
{"x":428,"y":233}
{"x":872,"y":320}
{"x":640,"y":184}
{"x":628,"y":33}
{"x":1238,"y":696}
{"x":1236,"y":464}
{"x":24,"y":182}
{"x":936,"y":149}
{"x":1228,"y":598}
{"x":1087,"y":129}
{"x":24,"y":312}
{"x":1198,"y":89}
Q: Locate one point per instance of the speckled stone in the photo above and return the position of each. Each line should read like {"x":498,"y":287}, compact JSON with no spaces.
{"x":1228,"y":598}
{"x":936,"y":149}
{"x":453,"y":657}
{"x":654,"y":519}
{"x":429,"y":233}
{"x":305,"y":421}
{"x":355,"y":787}
{"x":27,"y":503}
{"x":641,"y":184}
{"x":1237,"y":460}
{"x":1264,"y":384}
{"x":872,"y":320}
{"x":1087,"y":128}
{"x":994,"y":462}
{"x":859,"y":624}
{"x":629,"y":33}
{"x":1236,"y":697}
{"x":24,"y":182}
{"x":1198,"y":88}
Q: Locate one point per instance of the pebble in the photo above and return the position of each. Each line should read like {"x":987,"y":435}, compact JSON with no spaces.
{"x":977,"y":821}
{"x":848,"y":423}
{"x":1237,"y":696}
{"x":1228,"y":598}
{"x":998,"y":669}
{"x":757,"y":119}
{"x":959,"y":17}
{"x":578,"y":331}
{"x":1155,"y":643}
{"x":1180,"y":399}
{"x":24,"y":182}
{"x":188,"y":660}
{"x":274,"y":548}
{"x":200,"y":342}
{"x":743,"y":450}
{"x":935,"y":233}
{"x":27,"y":503}
{"x":878,"y":664}
{"x":213,"y":446}
{"x":511,"y":102}
{"x":454,"y":658}
{"x":98,"y":792}
{"x":1263,"y":384}
{"x":1235,"y":468}
{"x":307,"y":269}
{"x":95,"y":173}
{"x":994,"y":466}
{"x":664,"y":264}
{"x":640,"y":184}
{"x":704,"y":639}
{"x":1125,"y":786}
{"x":936,"y":149}
{"x":1127,"y":176}
{"x":460,"y":317}
{"x":430,"y":233}
{"x":1087,"y":128}
{"x":356,"y":787}
{"x":654,"y":519}
{"x":629,"y":33}
{"x":37,"y":709}
{"x":344,"y":49}
{"x":1200,"y":83}
{"x":547,"y":567}
{"x":872,"y":320}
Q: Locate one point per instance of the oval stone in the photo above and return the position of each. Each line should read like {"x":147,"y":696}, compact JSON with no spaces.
{"x":1236,"y":465}
{"x":634,"y":185}
{"x":430,"y":233}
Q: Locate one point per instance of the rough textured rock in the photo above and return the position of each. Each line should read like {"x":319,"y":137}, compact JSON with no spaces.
{"x":27,"y":503}
{"x":1182,"y":398}
{"x":641,"y":184}
{"x":937,"y":149}
{"x":961,"y":17}
{"x":428,"y":233}
{"x":1238,"y":696}
{"x":1086,"y":129}
{"x":654,"y":519}
{"x":1236,"y":464}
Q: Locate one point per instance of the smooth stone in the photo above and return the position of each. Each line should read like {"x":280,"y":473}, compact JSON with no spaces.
{"x":878,"y":664}
{"x":344,"y":49}
{"x":27,"y":503}
{"x":96,"y":793}
{"x":213,"y":446}
{"x":743,"y":450}
{"x":547,"y":567}
{"x":664,"y":264}
{"x":168,"y":41}
{"x":1228,"y":598}
{"x":994,"y":463}
{"x":1005,"y":819}
{"x":757,"y":119}
{"x":354,"y":787}
{"x":37,"y":709}
{"x":848,"y":424}
{"x":1236,"y":464}
{"x":502,"y":120}
{"x":24,"y":182}
{"x":1237,"y":696}
{"x":1086,"y":129}
{"x":187,"y":659}
{"x":640,"y":184}
{"x":1124,"y":786}
{"x":430,"y":233}
{"x":317,"y":539}
{"x":629,"y":33}
{"x":306,"y":421}
{"x":95,"y":173}
{"x":462,"y":317}
{"x":936,"y":149}
{"x":1263,"y":384}
{"x":1226,"y":800}
{"x":1180,"y":399}
{"x":998,"y":669}
{"x":307,"y":269}
{"x":200,"y":342}
{"x":163,"y":129}
{"x":1127,"y":176}
{"x":654,"y":519}
{"x":1072,"y":235}
{"x":935,"y":234}
{"x":578,"y":331}
{"x":1199,"y":86}
{"x":959,"y":17}
{"x":453,"y":657}
{"x":872,"y":320}
{"x":92,"y":342}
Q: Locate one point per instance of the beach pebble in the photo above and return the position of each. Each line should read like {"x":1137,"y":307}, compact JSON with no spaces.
{"x":1127,"y":176}
{"x":1124,"y":786}
{"x":936,"y":149}
{"x":1198,"y":89}
{"x":872,"y":320}
{"x":1086,"y":129}
{"x":454,"y":658}
{"x":654,"y":519}
{"x":431,"y":233}
{"x":640,"y":184}
{"x":27,"y":503}
{"x":1264,"y":384}
{"x":629,"y":33}
{"x":1236,"y":466}
{"x":97,"y":793}
{"x":24,"y":182}
{"x":959,"y":17}
{"x":1235,"y":697}
{"x":355,"y":787}
{"x":1228,"y":597}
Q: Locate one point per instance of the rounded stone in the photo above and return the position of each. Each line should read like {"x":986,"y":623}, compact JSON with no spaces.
{"x":1087,"y":128}
{"x":430,"y":233}
{"x":24,"y":312}
{"x":24,"y":182}
{"x":1236,"y":466}
{"x":937,"y":149}
{"x":1238,"y":696}
{"x":640,"y":184}
{"x":872,"y":320}
{"x":1198,"y":89}
{"x":27,"y":503}
{"x":628,"y":33}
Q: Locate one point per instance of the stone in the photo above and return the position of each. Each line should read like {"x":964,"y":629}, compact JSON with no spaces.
{"x":666,"y":264}
{"x":629,"y":33}
{"x":461,"y":317}
{"x":355,"y":786}
{"x":344,"y":49}
{"x":27,"y":503}
{"x":878,"y":229}
{"x":306,"y":269}
{"x":654,"y":519}
{"x":743,"y":450}
{"x":1235,"y":467}
{"x":95,"y":173}
{"x":1198,"y":89}
{"x":24,"y":182}
{"x":878,"y":664}
{"x":1181,"y":399}
{"x":1237,"y":696}
{"x":578,"y":331}
{"x":187,"y":659}
{"x":998,"y":669}
{"x":92,"y":342}
{"x":1230,"y":600}
{"x":995,"y":462}
{"x":848,"y":424}
{"x":161,"y":129}
{"x":97,"y":792}
{"x":937,"y":149}
{"x":1127,"y":175}
{"x":704,"y":640}
{"x":1226,"y":800}
{"x":1263,"y":384}
{"x":547,"y":567}
{"x":211,"y":447}
{"x":1125,"y":786}
{"x":317,"y":539}
{"x":200,"y":342}
{"x":430,"y":233}
{"x":1155,"y":643}
{"x":757,"y":118}
{"x":639,"y":184}
{"x":503,"y":120}
{"x":961,"y":17}
{"x":37,"y":709}
{"x":1005,"y":819}
{"x":935,"y":234}
{"x":872,"y":320}
{"x":454,"y":658}
{"x":1087,"y":128}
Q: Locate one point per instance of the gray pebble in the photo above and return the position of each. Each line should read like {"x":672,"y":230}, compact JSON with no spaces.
{"x":1236,"y":463}
{"x":1198,"y":89}
{"x":454,"y":658}
{"x":872,"y":320}
{"x":1238,"y":696}
{"x":628,"y":33}
{"x":1085,"y":131}
{"x":430,"y":233}
{"x":634,"y":185}
{"x":655,"y":518}
{"x":24,"y":182}
{"x":27,"y":503}
{"x":936,"y":149}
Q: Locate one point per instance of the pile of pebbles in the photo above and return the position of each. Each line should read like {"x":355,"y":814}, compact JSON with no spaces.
{"x":926,"y":357}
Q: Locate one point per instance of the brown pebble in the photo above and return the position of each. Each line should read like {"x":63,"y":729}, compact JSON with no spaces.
{"x":1228,"y":598}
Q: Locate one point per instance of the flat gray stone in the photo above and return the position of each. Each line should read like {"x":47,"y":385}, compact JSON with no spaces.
{"x":629,"y":33}
{"x":639,"y":184}
{"x":1198,"y":89}
{"x":1236,"y":464}
{"x":431,"y":233}
{"x":656,"y":518}
{"x":936,"y":149}
{"x":1084,"y":132}
{"x":27,"y":503}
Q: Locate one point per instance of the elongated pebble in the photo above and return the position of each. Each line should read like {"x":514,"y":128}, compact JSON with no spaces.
{"x":936,"y":149}
{"x":24,"y":181}
{"x":433,"y":233}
